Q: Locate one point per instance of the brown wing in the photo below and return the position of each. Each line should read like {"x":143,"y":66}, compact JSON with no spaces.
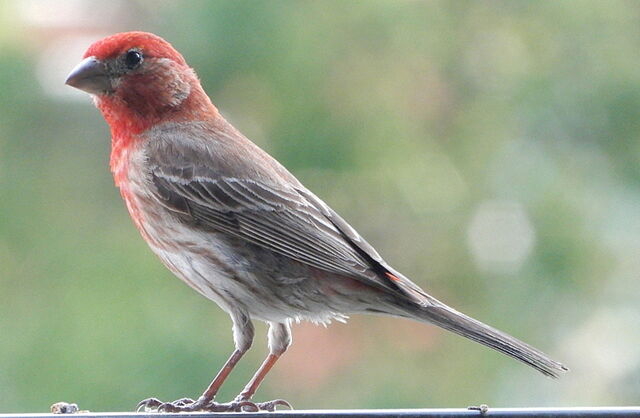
{"x":278,"y":215}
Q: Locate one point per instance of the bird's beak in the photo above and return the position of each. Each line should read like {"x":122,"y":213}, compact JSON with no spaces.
{"x":90,"y":75}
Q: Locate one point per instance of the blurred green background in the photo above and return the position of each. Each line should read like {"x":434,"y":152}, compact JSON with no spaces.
{"x":489,"y":150}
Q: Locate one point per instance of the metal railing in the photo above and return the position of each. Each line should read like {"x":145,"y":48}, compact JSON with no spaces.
{"x":601,"y":412}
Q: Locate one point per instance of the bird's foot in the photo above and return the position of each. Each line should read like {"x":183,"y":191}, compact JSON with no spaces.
{"x":189,"y":405}
{"x":156,"y":405}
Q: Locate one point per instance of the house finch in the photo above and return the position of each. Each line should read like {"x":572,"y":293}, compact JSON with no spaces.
{"x":235,"y":225}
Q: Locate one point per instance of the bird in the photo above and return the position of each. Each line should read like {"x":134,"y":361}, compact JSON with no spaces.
{"x":235,"y":225}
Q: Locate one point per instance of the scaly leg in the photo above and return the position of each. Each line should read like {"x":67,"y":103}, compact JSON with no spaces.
{"x":279,"y":341}
{"x":243,"y":333}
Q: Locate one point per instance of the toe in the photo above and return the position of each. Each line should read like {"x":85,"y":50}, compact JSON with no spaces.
{"x":273,"y":405}
{"x":166,"y":407}
{"x":183,"y":402}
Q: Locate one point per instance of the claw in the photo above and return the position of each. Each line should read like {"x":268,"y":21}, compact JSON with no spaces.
{"x":149,"y":404}
{"x":245,"y":406}
{"x":271,"y":406}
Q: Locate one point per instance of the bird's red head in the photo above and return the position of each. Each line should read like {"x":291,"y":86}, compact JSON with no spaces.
{"x":120,"y":43}
{"x":139,"y":80}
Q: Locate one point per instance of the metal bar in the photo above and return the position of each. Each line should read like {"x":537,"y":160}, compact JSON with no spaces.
{"x":600,"y":412}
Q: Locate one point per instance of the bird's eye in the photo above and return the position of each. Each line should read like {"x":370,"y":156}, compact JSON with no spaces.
{"x":132,"y":59}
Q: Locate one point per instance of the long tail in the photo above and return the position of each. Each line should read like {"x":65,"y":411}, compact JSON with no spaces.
{"x":452,"y":320}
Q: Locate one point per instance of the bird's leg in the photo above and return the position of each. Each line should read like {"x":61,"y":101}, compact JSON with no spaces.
{"x":279,"y":341}
{"x":216,"y":383}
{"x":243,"y":333}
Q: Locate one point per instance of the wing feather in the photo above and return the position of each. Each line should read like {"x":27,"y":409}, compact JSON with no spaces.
{"x":257,"y":212}
{"x":270,"y":209}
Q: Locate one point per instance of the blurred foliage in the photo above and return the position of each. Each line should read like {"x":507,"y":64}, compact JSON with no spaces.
{"x":406,"y":117}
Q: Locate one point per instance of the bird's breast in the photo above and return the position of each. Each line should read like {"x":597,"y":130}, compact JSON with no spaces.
{"x":128,"y":166}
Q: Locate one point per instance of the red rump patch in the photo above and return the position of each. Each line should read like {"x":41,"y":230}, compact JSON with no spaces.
{"x":150,"y":45}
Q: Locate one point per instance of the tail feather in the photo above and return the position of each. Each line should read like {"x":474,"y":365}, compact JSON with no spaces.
{"x":461,"y":324}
